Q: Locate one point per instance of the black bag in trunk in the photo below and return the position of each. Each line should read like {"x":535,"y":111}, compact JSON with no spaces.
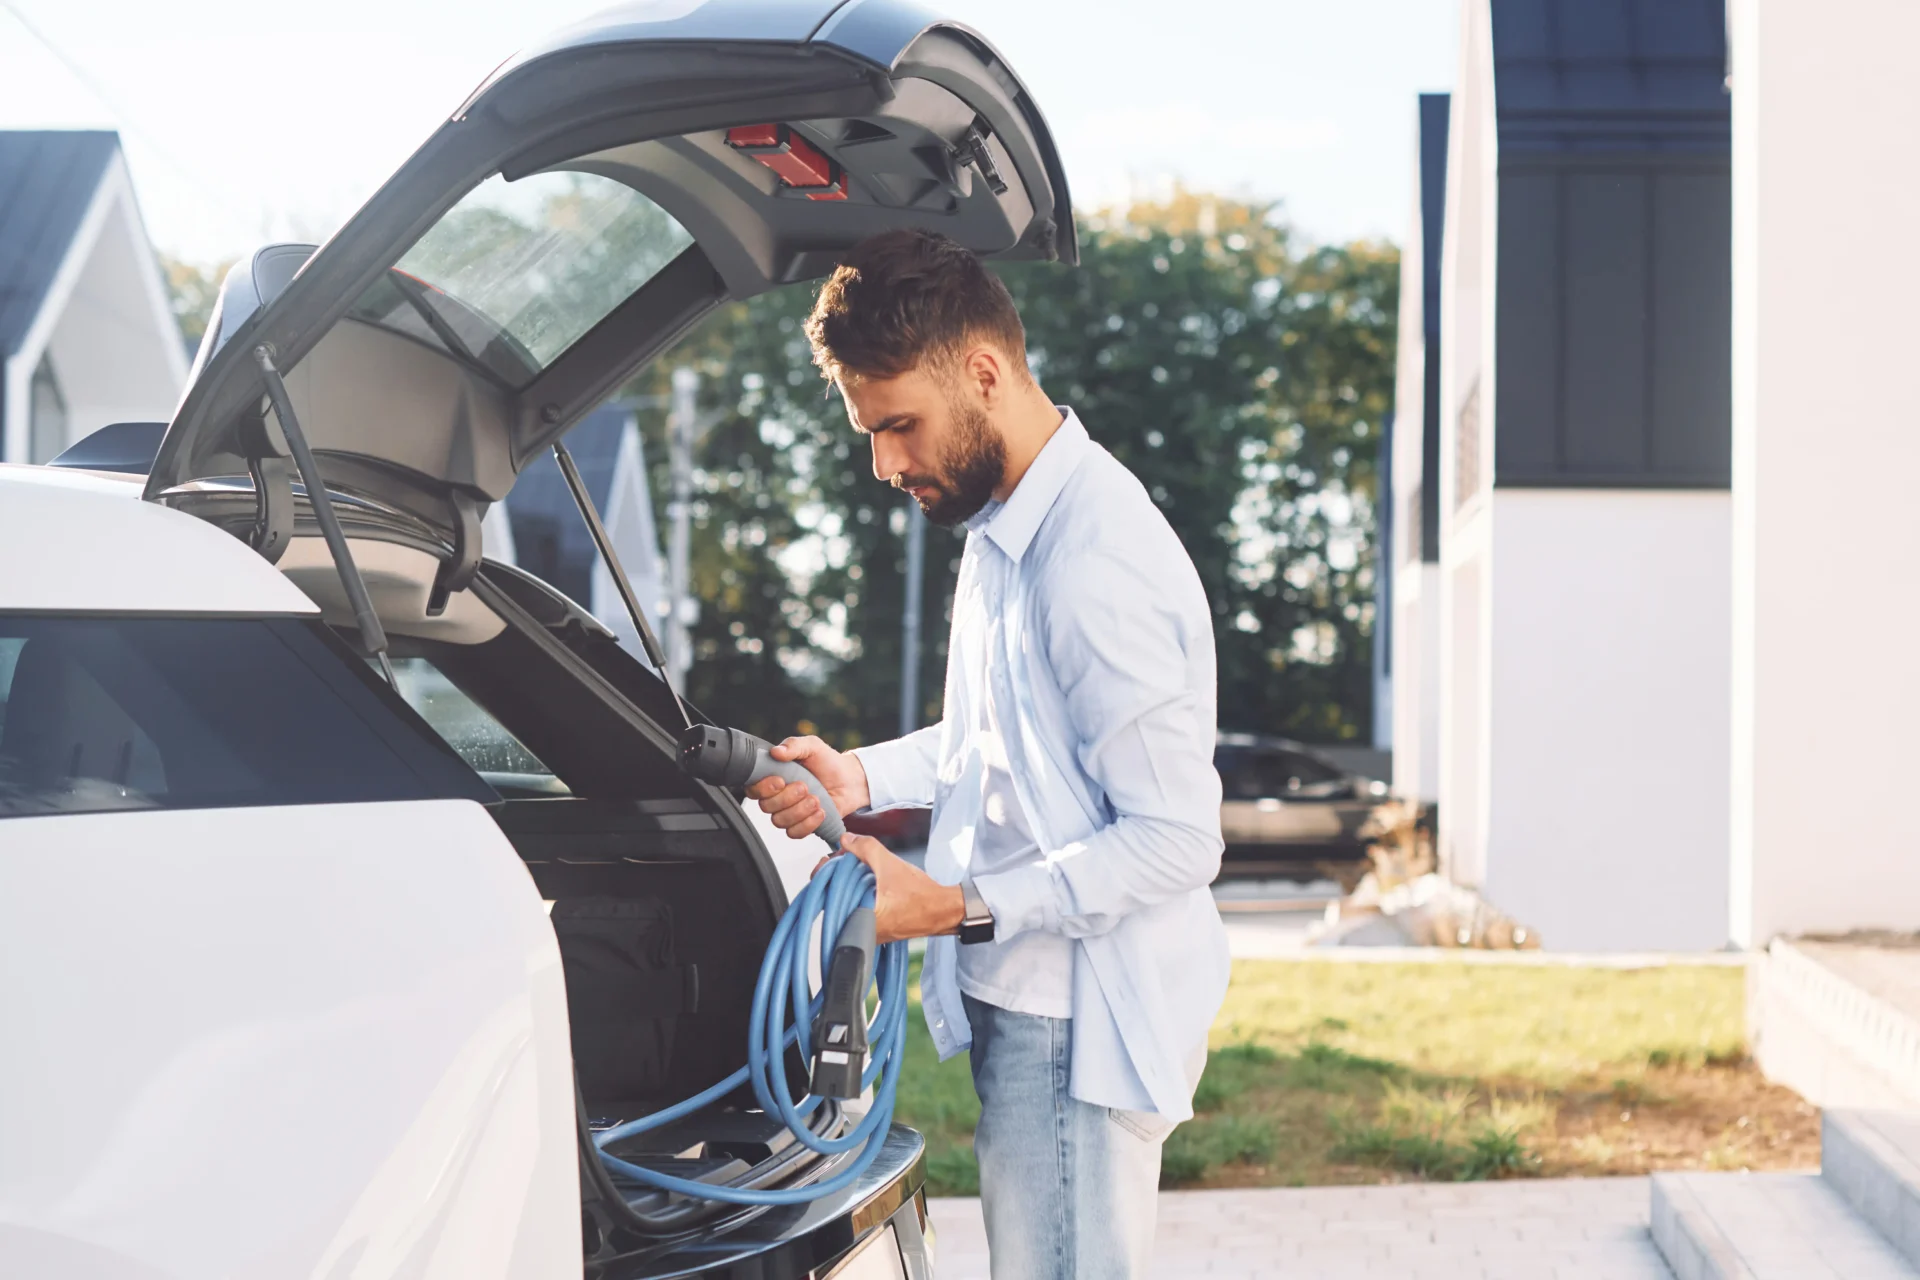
{"x":624,"y":992}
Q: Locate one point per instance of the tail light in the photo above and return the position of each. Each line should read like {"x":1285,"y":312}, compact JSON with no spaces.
{"x":798,"y":163}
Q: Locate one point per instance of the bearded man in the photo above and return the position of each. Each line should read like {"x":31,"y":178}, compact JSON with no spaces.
{"x":1074,"y":947}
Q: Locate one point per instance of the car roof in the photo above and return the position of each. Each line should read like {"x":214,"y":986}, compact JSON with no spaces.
{"x":1272,"y":743}
{"x":82,"y":541}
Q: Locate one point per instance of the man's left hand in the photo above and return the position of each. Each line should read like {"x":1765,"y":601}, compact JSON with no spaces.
{"x":907,"y":902}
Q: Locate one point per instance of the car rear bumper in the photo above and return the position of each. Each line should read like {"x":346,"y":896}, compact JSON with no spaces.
{"x":885,"y":1209}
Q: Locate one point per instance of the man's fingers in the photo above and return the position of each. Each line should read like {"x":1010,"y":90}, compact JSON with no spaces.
{"x":765,"y":789}
{"x":799,"y":820}
{"x":798,"y":748}
{"x":865,"y":848}
{"x":784,"y":795}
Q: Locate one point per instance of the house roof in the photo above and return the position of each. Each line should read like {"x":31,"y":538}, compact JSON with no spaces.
{"x":1434,"y":110}
{"x":47,"y":180}
{"x":550,"y":539}
{"x":1611,"y":75}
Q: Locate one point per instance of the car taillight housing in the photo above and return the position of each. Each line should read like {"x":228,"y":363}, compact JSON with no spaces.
{"x":798,"y":163}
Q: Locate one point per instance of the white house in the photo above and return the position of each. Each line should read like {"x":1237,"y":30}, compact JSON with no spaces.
{"x":86,"y":335}
{"x":1414,"y":511}
{"x":1585,"y":521}
{"x":1826,"y":446}
{"x":540,"y":529}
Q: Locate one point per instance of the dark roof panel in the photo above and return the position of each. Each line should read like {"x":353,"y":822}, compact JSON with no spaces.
{"x":1434,"y":109}
{"x":47,"y":180}
{"x":1611,"y":75}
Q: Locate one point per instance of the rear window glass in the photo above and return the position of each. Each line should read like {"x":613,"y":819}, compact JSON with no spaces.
{"x":517,"y":272}
{"x":482,"y":741}
{"x":100,"y":714}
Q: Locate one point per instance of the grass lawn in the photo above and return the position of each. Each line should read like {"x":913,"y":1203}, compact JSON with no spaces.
{"x":1327,"y":1072}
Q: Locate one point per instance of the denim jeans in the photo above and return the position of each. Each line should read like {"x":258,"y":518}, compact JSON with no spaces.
{"x":1068,"y":1189}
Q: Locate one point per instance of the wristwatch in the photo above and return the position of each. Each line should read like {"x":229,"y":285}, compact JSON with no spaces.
{"x":977,"y":924}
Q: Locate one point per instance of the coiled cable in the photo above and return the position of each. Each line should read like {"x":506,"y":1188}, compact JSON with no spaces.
{"x":843,"y":886}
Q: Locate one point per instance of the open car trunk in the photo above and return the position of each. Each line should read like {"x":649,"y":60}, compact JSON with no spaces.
{"x":580,"y":212}
{"x":663,"y":900}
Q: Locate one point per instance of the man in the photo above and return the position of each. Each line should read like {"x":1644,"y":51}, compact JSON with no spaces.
{"x":1074,"y":945}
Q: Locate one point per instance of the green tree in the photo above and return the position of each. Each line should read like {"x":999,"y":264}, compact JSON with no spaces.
{"x":192,"y":289}
{"x":1241,"y":374}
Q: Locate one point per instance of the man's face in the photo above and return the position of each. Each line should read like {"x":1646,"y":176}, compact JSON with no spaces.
{"x":931,"y":437}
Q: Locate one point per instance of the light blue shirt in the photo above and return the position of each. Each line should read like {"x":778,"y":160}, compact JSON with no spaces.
{"x":1100,"y":670}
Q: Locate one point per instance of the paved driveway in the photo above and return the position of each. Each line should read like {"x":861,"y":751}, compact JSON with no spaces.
{"x":1558,"y":1229}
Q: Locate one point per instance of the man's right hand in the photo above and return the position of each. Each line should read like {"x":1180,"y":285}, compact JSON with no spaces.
{"x":791,"y":806}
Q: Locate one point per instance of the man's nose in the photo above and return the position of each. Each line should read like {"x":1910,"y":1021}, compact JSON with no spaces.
{"x":889,"y":459}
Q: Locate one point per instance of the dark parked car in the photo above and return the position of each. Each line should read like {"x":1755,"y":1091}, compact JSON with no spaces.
{"x":1289,"y":812}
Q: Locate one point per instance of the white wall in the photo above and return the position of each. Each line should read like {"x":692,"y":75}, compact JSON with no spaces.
{"x":1466,"y":321}
{"x":1416,"y":681}
{"x":1826,"y":630}
{"x":1608,"y":760}
{"x":1416,"y":584}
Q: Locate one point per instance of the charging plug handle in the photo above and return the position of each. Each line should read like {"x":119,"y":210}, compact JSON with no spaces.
{"x":731,"y":758}
{"x":840,"y":1031}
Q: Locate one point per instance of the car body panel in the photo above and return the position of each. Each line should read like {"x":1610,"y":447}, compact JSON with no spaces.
{"x":806,"y":1239}
{"x":282,"y":1041}
{"x":82,"y":541}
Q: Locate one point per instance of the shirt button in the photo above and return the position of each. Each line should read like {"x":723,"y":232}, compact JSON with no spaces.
{"x":940,"y":1024}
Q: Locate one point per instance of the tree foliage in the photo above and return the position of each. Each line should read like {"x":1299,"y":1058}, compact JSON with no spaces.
{"x":192,"y":289}
{"x":1242,"y":375}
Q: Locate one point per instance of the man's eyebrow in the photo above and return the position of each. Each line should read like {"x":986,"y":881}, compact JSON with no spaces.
{"x":895,"y":423}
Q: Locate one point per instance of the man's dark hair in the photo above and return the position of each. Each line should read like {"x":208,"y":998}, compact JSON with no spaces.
{"x":903,"y":297}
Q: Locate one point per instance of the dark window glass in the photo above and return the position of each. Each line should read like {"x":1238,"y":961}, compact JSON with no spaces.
{"x":1268,"y":774}
{"x":1305,"y":771}
{"x":102,"y":714}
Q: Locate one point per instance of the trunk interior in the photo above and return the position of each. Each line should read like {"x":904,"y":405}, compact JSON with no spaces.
{"x":662,"y":898}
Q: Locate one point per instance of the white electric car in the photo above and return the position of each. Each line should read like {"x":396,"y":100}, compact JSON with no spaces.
{"x":311,"y":971}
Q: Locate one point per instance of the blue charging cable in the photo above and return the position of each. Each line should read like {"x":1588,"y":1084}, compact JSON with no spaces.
{"x":843,"y":887}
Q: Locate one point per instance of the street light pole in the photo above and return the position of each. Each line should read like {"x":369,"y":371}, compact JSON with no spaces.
{"x":910,"y":620}
{"x":683,"y":608}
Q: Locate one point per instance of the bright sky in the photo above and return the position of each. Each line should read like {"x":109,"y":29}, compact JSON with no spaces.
{"x":246,"y":122}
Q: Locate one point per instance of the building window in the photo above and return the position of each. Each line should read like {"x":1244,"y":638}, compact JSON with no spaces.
{"x":1466,"y":449}
{"x":46,"y":415}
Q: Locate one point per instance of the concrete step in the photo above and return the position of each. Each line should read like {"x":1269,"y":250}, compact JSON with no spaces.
{"x":1838,"y":1023}
{"x":1872,"y":1158}
{"x":1766,"y":1226}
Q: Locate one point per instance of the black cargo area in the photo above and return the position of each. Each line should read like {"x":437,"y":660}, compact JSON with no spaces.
{"x":661,"y":933}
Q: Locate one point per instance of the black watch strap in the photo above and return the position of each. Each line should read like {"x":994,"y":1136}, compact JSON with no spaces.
{"x":976,"y":925}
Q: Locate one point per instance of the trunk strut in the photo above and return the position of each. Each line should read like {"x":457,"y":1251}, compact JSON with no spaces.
{"x":373,"y":637}
{"x":578,"y":488}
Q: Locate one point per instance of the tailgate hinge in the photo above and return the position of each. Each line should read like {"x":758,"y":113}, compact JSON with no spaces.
{"x":272,"y":471}
{"x":456,"y":571}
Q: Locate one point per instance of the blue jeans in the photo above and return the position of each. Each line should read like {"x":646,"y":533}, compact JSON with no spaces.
{"x":1068,"y":1189}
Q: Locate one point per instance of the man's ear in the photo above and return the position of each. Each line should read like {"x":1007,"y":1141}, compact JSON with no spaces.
{"x":985,"y":370}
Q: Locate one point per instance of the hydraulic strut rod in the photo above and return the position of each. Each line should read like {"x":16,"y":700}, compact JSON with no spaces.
{"x":373,"y":637}
{"x":604,"y":544}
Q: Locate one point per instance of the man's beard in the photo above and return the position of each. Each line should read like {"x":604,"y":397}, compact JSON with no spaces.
{"x":971,"y":468}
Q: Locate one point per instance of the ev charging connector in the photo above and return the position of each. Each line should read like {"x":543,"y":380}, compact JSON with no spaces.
{"x":840,"y":1030}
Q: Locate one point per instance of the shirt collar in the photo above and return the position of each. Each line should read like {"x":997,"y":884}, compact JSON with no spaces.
{"x":1013,"y":523}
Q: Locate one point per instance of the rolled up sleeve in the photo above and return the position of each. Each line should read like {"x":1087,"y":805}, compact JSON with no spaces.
{"x":901,"y":774}
{"x":1140,"y":699}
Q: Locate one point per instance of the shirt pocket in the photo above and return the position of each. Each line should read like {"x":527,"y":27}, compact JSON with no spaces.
{"x":1148,"y":1126}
